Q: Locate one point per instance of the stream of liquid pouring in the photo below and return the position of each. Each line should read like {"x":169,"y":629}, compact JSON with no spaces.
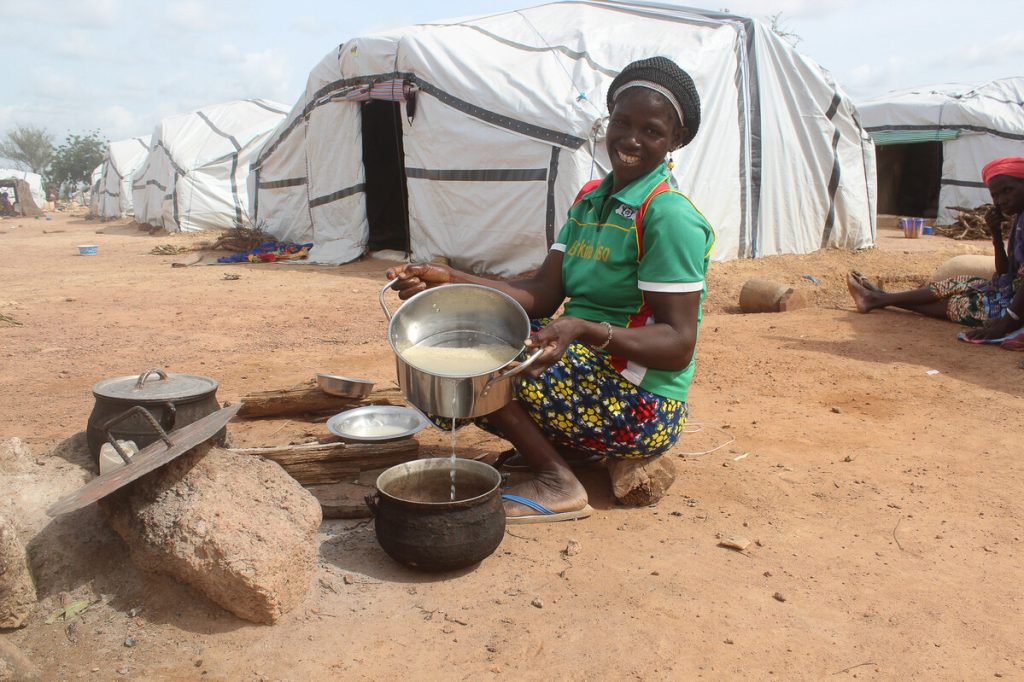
{"x":453,"y":448}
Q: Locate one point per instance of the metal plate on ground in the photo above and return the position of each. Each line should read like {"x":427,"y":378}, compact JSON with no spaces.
{"x":377,"y":423}
{"x":152,"y":457}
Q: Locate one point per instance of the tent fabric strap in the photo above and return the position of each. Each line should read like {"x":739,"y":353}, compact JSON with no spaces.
{"x":479,"y":174}
{"x":833,"y":181}
{"x":335,"y":196}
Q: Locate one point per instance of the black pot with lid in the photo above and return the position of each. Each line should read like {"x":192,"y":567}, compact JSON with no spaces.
{"x":173,"y":400}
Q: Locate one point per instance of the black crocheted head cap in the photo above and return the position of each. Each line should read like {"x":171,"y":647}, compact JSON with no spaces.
{"x":666,"y":73}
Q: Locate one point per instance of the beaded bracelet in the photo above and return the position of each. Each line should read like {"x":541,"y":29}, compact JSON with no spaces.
{"x":608,"y":339}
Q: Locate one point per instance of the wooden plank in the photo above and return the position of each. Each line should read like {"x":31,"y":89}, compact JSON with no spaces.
{"x":315,"y":463}
{"x":307,"y":398}
{"x":343,"y":500}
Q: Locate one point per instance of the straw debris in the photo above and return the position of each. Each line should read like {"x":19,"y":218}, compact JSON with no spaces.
{"x":242,"y":238}
{"x":970,"y":224}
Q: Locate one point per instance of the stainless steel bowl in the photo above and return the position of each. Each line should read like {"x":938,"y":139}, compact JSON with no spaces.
{"x":344,"y":387}
{"x":377,"y":423}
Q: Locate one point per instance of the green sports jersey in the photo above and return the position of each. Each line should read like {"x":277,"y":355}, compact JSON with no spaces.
{"x":607,"y":266}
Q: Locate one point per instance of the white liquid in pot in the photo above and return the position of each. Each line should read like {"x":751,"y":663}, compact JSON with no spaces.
{"x":468,"y":361}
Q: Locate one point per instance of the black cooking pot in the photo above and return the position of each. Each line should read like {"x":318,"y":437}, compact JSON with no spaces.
{"x":418,"y":524}
{"x":173,"y":400}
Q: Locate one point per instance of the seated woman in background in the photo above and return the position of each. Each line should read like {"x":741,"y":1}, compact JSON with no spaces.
{"x":996,"y":306}
{"x":613,"y":378}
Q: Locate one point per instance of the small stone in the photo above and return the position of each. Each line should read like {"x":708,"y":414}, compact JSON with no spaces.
{"x":447,"y":629}
{"x":537,"y":602}
{"x":124,"y":671}
{"x":736,"y":542}
{"x":676,"y":513}
{"x":655,"y":573}
{"x":198,"y":663}
{"x":94,"y":670}
{"x":348,"y":579}
{"x":572,"y":548}
{"x":129,"y":641}
{"x":692,"y":502}
{"x":837,"y":409}
{"x":728,"y":641}
{"x":778,"y":596}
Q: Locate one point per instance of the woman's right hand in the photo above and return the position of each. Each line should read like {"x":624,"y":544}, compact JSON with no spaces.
{"x":416,"y":277}
{"x":994,"y":220}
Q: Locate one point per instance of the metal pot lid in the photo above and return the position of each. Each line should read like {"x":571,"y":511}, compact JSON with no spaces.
{"x":155,"y":384}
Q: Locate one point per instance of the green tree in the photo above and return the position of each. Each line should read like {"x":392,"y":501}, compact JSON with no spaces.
{"x":74,"y":160}
{"x":29,"y":147}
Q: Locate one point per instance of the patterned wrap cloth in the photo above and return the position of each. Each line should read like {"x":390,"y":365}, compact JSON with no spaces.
{"x":973,"y":300}
{"x":582,"y":402}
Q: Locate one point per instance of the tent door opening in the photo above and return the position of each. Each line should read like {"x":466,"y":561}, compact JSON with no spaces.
{"x":387,"y":199}
{"x":909,"y":178}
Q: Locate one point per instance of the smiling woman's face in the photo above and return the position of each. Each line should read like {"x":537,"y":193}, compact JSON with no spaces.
{"x":642,"y":130}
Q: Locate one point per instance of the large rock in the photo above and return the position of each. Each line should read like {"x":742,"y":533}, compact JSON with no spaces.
{"x":15,"y":666}
{"x":235,"y":527}
{"x":973,"y":265}
{"x":17,"y":592}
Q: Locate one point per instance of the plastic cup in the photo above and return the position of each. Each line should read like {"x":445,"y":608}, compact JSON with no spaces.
{"x":87,"y":249}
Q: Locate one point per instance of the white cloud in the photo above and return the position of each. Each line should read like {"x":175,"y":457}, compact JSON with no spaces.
{"x":121,"y":123}
{"x":196,"y":15}
{"x":1003,"y":49}
{"x":77,"y":45}
{"x":790,"y":9}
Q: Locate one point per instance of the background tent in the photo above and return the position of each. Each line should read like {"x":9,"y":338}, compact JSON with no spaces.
{"x":194,"y":177}
{"x":95,"y":182}
{"x":469,"y":139}
{"x":932,"y":143}
{"x":34,"y":181}
{"x":112,"y":198}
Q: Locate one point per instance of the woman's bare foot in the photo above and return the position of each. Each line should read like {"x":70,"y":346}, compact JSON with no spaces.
{"x":558,"y":491}
{"x":862,"y":296}
{"x":865,"y":282}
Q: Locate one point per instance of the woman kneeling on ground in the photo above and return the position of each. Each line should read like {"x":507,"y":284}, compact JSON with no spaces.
{"x":616,"y":366}
{"x":995,"y":306}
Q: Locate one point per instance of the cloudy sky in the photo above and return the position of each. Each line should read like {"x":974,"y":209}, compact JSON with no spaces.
{"x":119,"y":66}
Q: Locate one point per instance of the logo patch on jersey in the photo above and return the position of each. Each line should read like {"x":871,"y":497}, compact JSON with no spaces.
{"x":626,"y":212}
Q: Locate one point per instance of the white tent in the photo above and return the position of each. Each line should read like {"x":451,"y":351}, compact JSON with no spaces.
{"x":194,"y":177}
{"x":34,"y":180}
{"x":95,"y":182}
{"x":933,"y":142}
{"x":112,"y":198}
{"x":495,"y":123}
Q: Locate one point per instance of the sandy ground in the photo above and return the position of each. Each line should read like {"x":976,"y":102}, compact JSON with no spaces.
{"x":884,"y":500}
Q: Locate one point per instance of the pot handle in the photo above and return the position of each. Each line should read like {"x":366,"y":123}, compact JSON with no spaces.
{"x":147,"y":415}
{"x":512,"y":372}
{"x":173,"y":412}
{"x":373,"y":502}
{"x":145,"y":375}
{"x":387,"y":313}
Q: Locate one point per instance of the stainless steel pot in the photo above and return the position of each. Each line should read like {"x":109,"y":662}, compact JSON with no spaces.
{"x":457,"y":316}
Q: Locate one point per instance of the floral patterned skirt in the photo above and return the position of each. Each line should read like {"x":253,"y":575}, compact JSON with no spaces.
{"x":970,"y":300}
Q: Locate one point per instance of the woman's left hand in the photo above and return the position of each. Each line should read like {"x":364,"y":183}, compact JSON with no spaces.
{"x":554,"y":339}
{"x":995,"y":328}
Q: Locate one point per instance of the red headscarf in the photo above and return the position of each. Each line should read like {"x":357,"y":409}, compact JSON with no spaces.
{"x":1008,"y":165}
